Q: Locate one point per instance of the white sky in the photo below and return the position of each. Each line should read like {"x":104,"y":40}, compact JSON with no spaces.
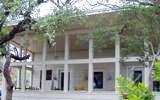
{"x":46,"y":8}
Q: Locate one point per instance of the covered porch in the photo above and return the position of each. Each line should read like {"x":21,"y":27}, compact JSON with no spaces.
{"x":71,"y":70}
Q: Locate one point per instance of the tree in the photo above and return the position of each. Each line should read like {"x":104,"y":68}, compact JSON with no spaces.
{"x":20,"y":12}
{"x":137,"y":24}
{"x":141,"y":33}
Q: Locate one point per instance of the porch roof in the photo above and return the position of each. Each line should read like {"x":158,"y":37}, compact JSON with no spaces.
{"x":76,"y":28}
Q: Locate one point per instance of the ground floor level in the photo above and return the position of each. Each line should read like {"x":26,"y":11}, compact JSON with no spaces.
{"x":96,"y":81}
{"x":50,"y":95}
{"x":52,"y":78}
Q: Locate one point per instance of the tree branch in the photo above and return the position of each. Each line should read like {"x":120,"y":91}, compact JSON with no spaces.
{"x":158,"y":51}
{"x":111,"y":6}
{"x":152,"y":64}
{"x":16,"y":29}
{"x":7,"y":71}
{"x":20,"y":27}
{"x":123,"y":30}
{"x":152,"y":49}
{"x":1,"y":68}
{"x":143,"y":3}
{"x":56,"y":4}
{"x":67,"y":2}
{"x":20,"y":58}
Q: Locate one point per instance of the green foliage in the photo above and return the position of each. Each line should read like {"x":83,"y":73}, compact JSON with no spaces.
{"x":103,"y":30}
{"x":2,"y":50}
{"x":57,"y":23}
{"x":5,"y":30}
{"x":142,"y":26}
{"x":11,"y":10}
{"x":135,"y":92}
{"x":99,"y":38}
{"x":10,"y":13}
{"x":15,"y":7}
{"x":139,"y":92}
{"x":123,"y":84}
{"x":156,"y":72}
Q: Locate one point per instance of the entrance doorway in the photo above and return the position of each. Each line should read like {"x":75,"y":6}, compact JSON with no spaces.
{"x":137,"y":76}
{"x":62,"y":80}
{"x":98,"y":80}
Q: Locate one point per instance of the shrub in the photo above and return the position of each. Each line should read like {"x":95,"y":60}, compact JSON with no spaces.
{"x":134,"y":91}
{"x":156,"y":72}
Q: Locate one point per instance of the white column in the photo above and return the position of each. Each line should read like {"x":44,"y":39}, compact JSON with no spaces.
{"x":117,"y":62}
{"x":23,"y":78}
{"x":18,"y":78}
{"x":146,"y":76}
{"x":44,"y":53}
{"x":43,"y":78}
{"x":66,"y":56}
{"x":23,"y":75}
{"x":91,"y":68}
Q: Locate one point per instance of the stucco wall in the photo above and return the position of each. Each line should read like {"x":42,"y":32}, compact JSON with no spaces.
{"x":75,"y":55}
{"x":76,"y":69}
{"x":76,"y":72}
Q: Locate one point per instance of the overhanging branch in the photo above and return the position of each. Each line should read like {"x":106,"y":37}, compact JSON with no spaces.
{"x":20,"y":58}
{"x":20,"y":27}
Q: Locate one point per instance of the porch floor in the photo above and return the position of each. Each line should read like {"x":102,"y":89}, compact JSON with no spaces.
{"x":59,"y":95}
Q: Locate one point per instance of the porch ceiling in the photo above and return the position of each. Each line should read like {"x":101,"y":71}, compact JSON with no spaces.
{"x":77,"y":28}
{"x":37,"y":46}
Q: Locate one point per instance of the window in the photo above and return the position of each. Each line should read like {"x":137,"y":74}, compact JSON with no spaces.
{"x":156,"y":86}
{"x":98,"y":80}
{"x":137,"y":77}
{"x":48,"y":74}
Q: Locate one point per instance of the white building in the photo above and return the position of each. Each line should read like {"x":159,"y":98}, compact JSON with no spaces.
{"x":74,"y":72}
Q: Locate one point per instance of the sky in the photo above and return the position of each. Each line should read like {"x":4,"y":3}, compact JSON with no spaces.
{"x":47,"y":8}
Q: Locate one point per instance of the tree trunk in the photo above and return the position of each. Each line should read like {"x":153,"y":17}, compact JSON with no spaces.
{"x":9,"y":93}
{"x":7,"y":74}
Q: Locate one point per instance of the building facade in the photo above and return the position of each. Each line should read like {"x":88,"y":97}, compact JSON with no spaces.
{"x":71,"y":70}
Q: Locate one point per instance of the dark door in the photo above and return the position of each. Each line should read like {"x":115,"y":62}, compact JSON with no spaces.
{"x":98,"y":80}
{"x":40,"y":79}
{"x":137,"y":77}
{"x":62,"y":80}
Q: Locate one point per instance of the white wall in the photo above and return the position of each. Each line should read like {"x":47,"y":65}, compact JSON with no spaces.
{"x":104,"y":53}
{"x":108,"y":70}
{"x":75,"y":55}
{"x":36,"y":76}
{"x":76,"y":71}
{"x":76,"y":75}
